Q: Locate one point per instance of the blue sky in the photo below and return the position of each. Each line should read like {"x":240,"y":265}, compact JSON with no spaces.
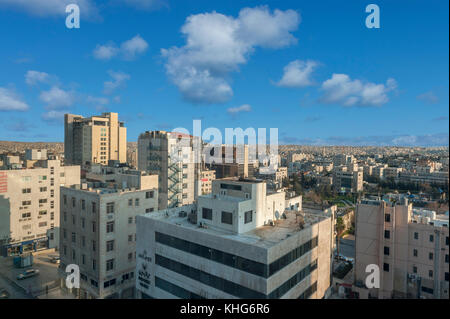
{"x":312,"y":69}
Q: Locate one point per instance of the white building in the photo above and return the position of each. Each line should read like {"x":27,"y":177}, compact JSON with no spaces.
{"x":29,"y":205}
{"x":98,"y":229}
{"x":237,"y":242}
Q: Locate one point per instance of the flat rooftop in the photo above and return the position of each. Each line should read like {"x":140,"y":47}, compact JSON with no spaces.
{"x":264,"y":236}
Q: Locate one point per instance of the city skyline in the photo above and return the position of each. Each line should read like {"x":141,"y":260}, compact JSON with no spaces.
{"x":386,"y":86}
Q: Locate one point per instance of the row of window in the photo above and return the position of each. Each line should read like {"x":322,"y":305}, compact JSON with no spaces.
{"x":234,"y":261}
{"x":175,"y":290}
{"x":229,"y":286}
{"x":226,"y":217}
{"x":387,"y":235}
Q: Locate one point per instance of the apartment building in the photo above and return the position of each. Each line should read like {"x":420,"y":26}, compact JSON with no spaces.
{"x":96,"y":139}
{"x":234,"y":162}
{"x":29,"y":205}
{"x":207,"y":176}
{"x":98,"y":230}
{"x":176,"y":159}
{"x":237,"y":242}
{"x":410,"y":248}
{"x":346,"y":180}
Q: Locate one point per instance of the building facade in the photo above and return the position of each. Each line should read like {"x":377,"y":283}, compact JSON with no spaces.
{"x":96,"y":139}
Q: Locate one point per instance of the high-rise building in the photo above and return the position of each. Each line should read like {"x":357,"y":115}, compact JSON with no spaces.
{"x":98,"y":229}
{"x":29,"y":205}
{"x":176,"y":159}
{"x":233,"y":163}
{"x":240,"y":241}
{"x":96,"y":139}
{"x":410,"y":248}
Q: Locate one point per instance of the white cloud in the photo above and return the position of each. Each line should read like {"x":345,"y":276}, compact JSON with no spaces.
{"x":105,"y":52}
{"x":57,"y":98}
{"x":45,"y":8}
{"x":34,"y":77}
{"x":10,"y":101}
{"x":53,"y":116}
{"x":132,"y":47}
{"x":98,"y":102}
{"x":235,"y":110}
{"x":340,"y":89}
{"x":118,"y":80}
{"x":146,"y":4}
{"x":128,"y":50}
{"x":428,"y":97}
{"x":297,"y":74}
{"x":217,"y":44}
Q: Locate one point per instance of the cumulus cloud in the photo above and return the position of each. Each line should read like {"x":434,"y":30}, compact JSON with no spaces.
{"x":340,"y":89}
{"x":53,"y":117}
{"x":146,"y":4}
{"x":34,"y":77}
{"x":428,"y":97}
{"x":217,"y":44}
{"x":297,"y":74}
{"x":128,"y":50}
{"x":57,"y":98}
{"x":10,"y":101}
{"x":98,"y":102}
{"x":46,"y":8}
{"x":118,"y":80}
{"x":235,"y":110}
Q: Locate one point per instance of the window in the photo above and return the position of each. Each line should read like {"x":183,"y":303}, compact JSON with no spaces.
{"x":42,"y":189}
{"x":110,"y":227}
{"x":26,"y":178}
{"x":446,"y":276}
{"x":227,"y":218}
{"x":94,"y":227}
{"x":94,"y":207}
{"x":130,"y":238}
{"x":74,"y":202}
{"x":149,"y":194}
{"x":83,"y":259}
{"x":130,"y":256}
{"x":446,"y":258}
{"x":446,"y":240}
{"x":130,"y":220}
{"x":415,"y":253}
{"x":83,"y":204}
{"x":136,"y":202}
{"x":430,"y":256}
{"x":430,"y":273}
{"x":149,"y":210}
{"x":73,"y":219}
{"x":109,"y":283}
{"x":74,"y":237}
{"x":26,"y":190}
{"x":83,"y":241}
{"x":386,"y":250}
{"x":73,"y":255}
{"x":248,"y":217}
{"x":207,"y":213}
{"x":415,"y":269}
{"x":83,"y":222}
{"x":109,"y":208}
{"x":65,"y":199}
{"x":109,"y":264}
{"x":26,"y":203}
{"x":387,"y":218}
{"x":52,"y":193}
{"x":43,"y":201}
{"x":64,"y":233}
{"x":94,"y":245}
{"x":130,"y":202}
{"x":43,"y":224}
{"x":94,"y":264}
{"x":42,"y":178}
{"x":431,"y":238}
{"x":110,"y":245}
{"x":386,"y":267}
{"x":416,"y":235}
{"x":387,"y":234}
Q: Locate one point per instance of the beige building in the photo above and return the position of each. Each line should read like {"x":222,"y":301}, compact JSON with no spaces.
{"x":237,"y":242}
{"x":347,"y":180}
{"x":207,"y":177}
{"x":177,"y":162}
{"x":410,"y":248}
{"x":98,"y":229}
{"x":29,"y":205}
{"x":96,"y":139}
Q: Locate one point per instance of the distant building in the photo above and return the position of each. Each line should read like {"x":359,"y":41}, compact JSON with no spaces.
{"x":234,"y":162}
{"x":237,"y":242}
{"x":29,"y":205}
{"x":98,"y":229}
{"x":96,"y":139}
{"x":410,"y":247}
{"x":345,"y":180}
{"x":207,"y":176}
{"x":175,"y":159}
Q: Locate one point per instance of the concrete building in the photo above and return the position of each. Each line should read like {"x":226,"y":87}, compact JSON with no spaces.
{"x":234,"y":162}
{"x":175,"y":158}
{"x":98,"y":229}
{"x":237,"y":242}
{"x":411,"y":249}
{"x":207,"y":176}
{"x":29,"y":205}
{"x":96,"y":139}
{"x":345,"y":180}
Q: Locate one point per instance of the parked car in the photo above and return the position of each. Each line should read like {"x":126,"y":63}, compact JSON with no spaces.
{"x":4,"y":294}
{"x":27,"y":274}
{"x":55,"y":260}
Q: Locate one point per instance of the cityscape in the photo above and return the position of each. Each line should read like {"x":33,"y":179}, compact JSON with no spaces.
{"x":185,"y":176}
